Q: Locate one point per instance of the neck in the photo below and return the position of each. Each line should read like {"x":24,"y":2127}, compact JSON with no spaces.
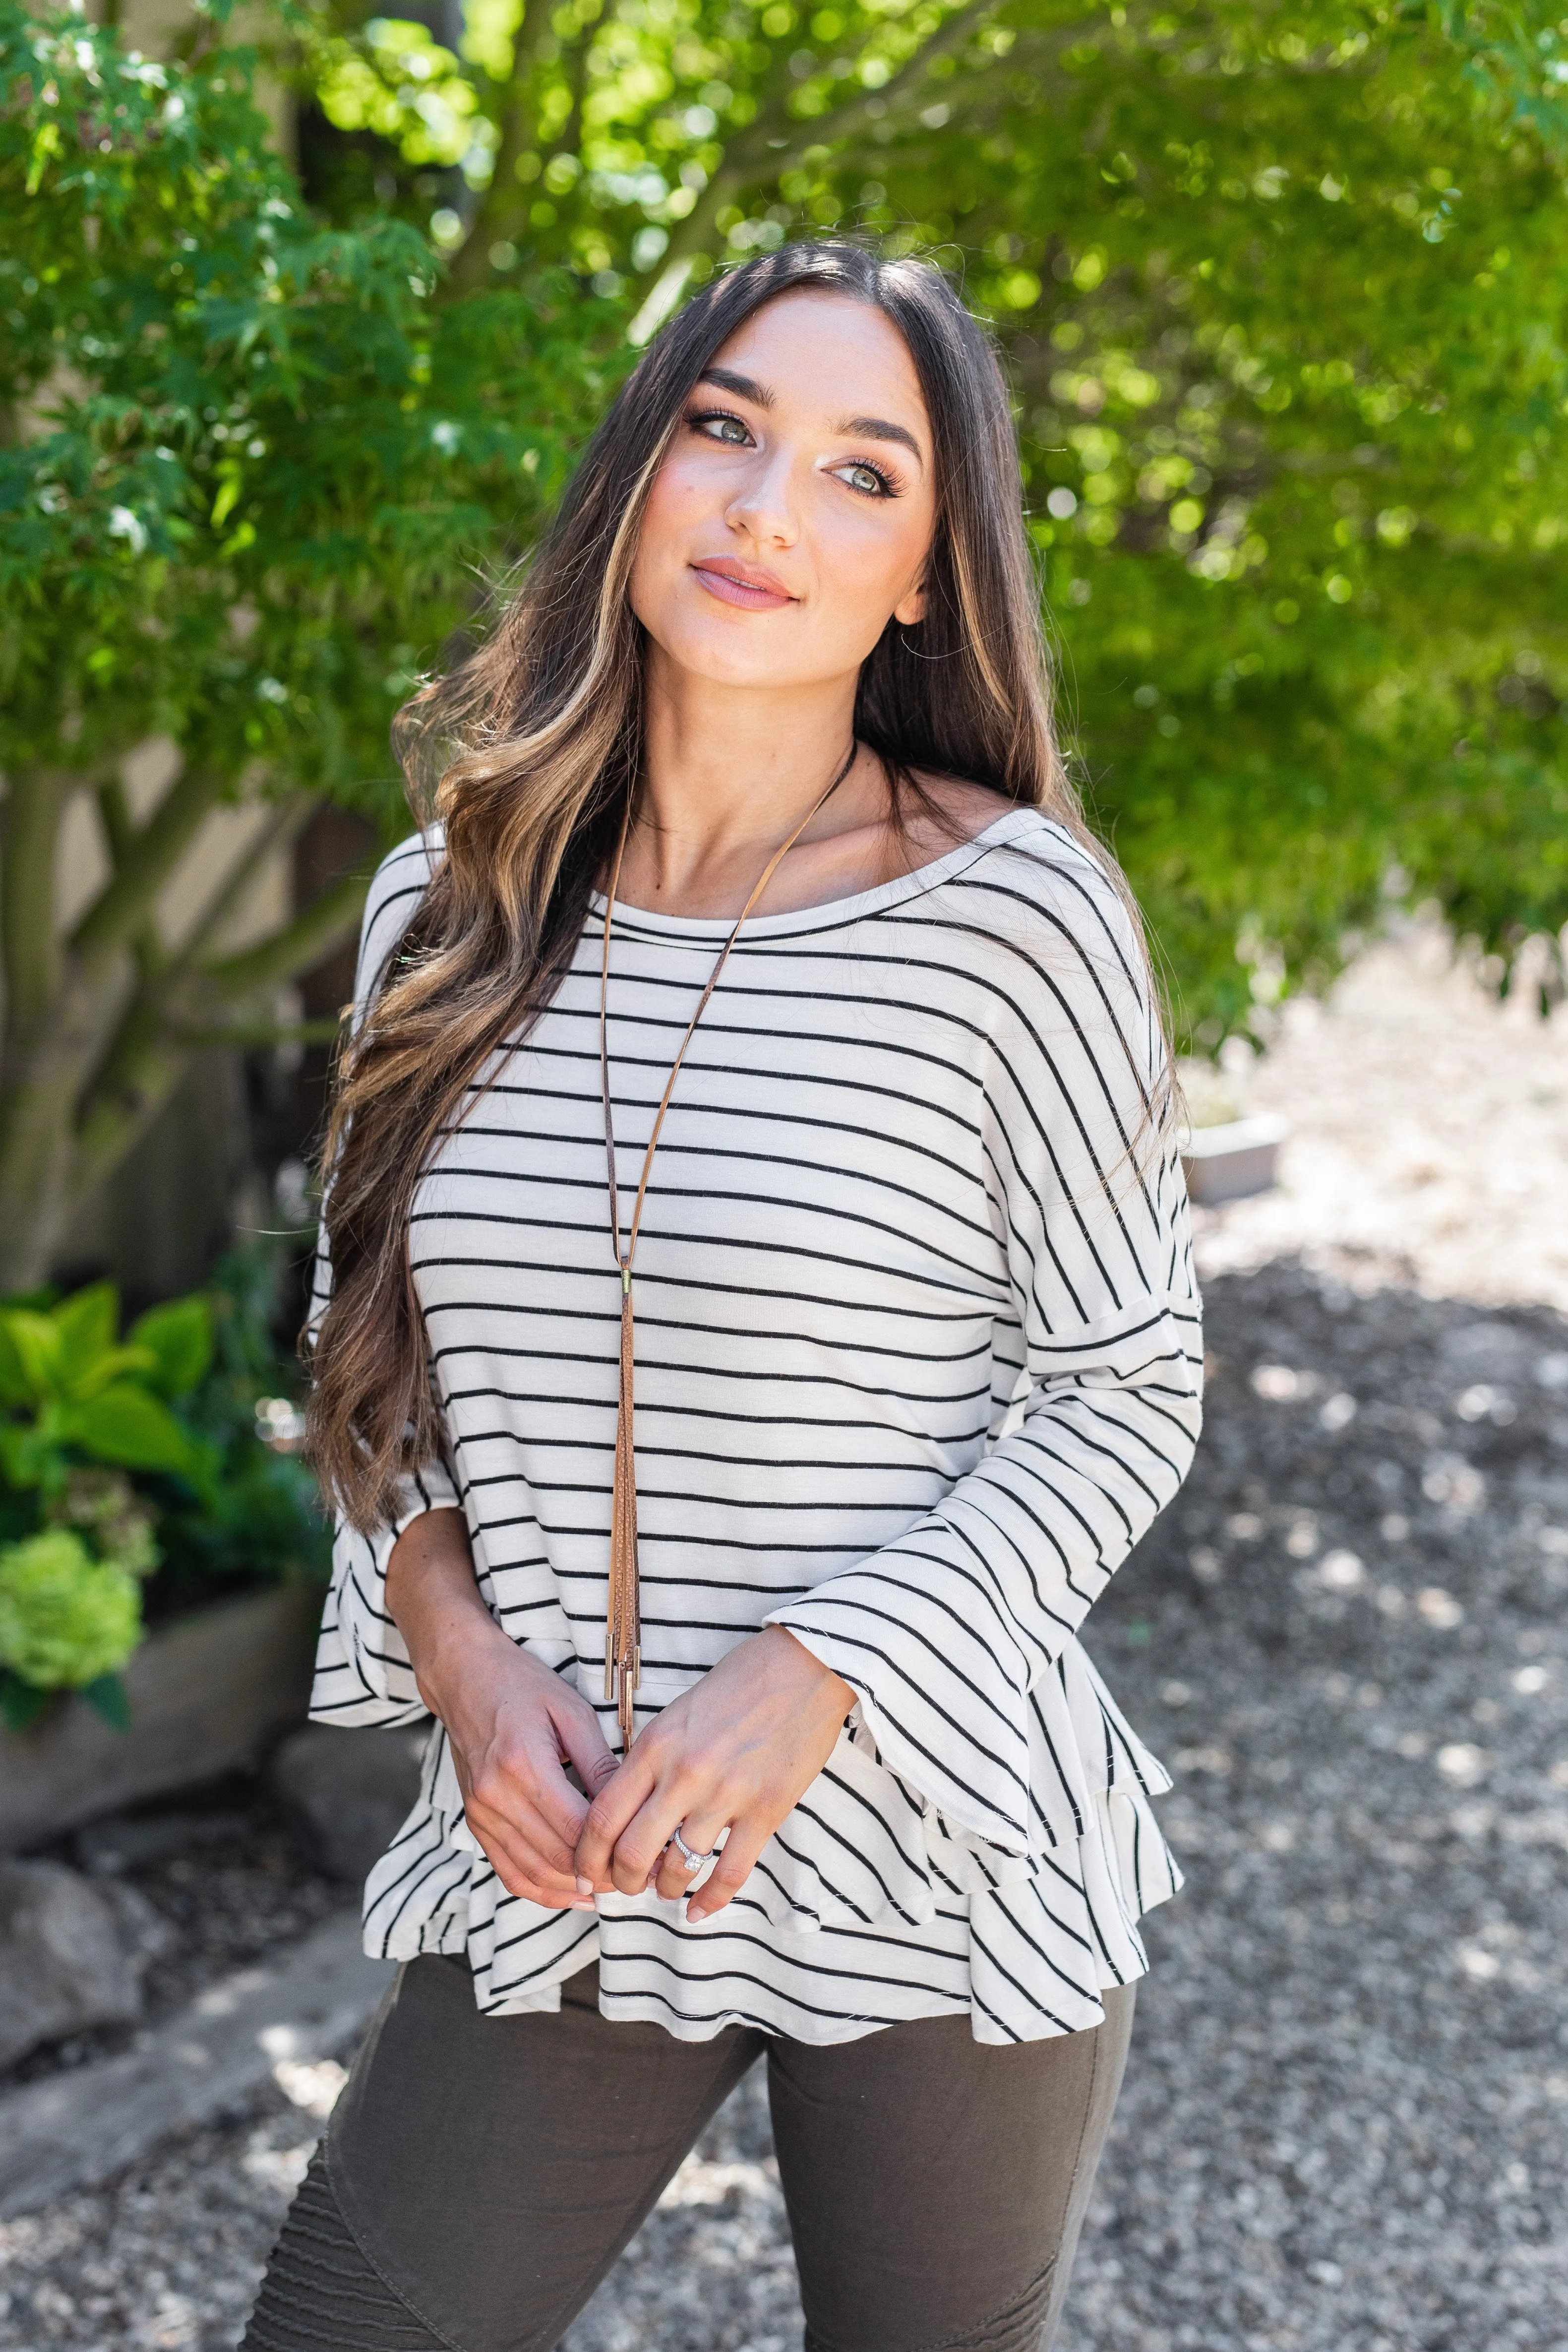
{"x":728,"y":771}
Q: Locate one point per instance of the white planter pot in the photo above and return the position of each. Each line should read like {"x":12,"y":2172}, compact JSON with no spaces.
{"x":207,"y":1692}
{"x":1226,"y":1163}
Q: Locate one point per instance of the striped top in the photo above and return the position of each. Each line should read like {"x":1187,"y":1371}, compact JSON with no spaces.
{"x":918,"y":1363}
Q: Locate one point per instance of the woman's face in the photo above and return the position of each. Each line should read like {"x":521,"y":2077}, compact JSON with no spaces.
{"x":793,"y":512}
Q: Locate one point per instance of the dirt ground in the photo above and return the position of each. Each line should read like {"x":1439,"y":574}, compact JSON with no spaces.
{"x":1343,"y":2123}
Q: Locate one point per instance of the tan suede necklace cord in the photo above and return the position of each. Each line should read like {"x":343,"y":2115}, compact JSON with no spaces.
{"x":623,"y":1620}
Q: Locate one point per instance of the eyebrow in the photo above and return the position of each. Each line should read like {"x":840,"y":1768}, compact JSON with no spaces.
{"x":744,"y":387}
{"x":878,"y":428}
{"x":869,"y":428}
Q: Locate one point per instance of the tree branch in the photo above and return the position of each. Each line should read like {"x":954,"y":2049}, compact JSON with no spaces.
{"x":149,"y":857}
{"x":114,"y":809}
{"x":759,"y":145}
{"x":286,"y":820}
{"x":254,"y":1034}
{"x":503,"y":209}
{"x":35,"y":804}
{"x":313,"y":933}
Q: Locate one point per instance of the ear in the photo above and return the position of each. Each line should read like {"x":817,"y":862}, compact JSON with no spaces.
{"x":913,"y":608}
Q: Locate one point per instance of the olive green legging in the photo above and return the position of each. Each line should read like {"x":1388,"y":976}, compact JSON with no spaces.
{"x":481,"y":2175}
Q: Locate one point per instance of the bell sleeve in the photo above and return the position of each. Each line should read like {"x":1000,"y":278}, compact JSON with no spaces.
{"x":363,"y":1673}
{"x":946,"y":1633}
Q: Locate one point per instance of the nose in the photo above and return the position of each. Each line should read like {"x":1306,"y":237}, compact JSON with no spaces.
{"x":764,"y":508}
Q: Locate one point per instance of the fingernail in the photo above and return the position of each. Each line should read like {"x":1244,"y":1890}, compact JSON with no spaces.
{"x":584,"y":1886}
{"x":582,"y":1903}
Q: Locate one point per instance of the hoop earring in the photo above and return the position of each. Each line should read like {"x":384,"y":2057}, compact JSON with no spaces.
{"x":916,"y":654}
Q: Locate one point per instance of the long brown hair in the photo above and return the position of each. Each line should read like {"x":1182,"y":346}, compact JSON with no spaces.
{"x":536,"y":741}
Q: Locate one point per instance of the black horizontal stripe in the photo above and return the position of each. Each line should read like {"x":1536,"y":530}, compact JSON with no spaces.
{"x":912,"y":1175}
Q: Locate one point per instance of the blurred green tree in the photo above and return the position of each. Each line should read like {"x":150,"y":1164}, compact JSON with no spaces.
{"x":1282,"y":291}
{"x":245,"y":468}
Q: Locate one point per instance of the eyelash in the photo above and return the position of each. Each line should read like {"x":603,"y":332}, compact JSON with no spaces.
{"x":890,"y":487}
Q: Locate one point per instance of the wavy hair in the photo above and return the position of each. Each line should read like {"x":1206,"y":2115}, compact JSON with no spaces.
{"x":527,"y":753}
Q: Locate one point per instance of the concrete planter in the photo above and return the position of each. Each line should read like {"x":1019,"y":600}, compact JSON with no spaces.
{"x":1226,"y":1163}
{"x":207,"y":1692}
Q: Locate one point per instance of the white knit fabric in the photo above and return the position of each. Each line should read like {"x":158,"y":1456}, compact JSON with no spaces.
{"x":918,"y":1363}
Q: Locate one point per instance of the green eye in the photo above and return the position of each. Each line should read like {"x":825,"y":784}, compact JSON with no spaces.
{"x":722,"y":426}
{"x":865,"y":479}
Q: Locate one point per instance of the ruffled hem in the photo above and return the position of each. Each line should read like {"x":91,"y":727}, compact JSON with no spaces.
{"x":1043,"y":1933}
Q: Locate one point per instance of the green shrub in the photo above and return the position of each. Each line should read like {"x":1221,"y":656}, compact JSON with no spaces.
{"x":260,"y":1521}
{"x":140,"y":1458}
{"x":68,"y":1622}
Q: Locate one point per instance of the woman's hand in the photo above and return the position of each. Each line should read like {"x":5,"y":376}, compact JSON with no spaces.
{"x":736,"y":1751}
{"x":513,"y":1725}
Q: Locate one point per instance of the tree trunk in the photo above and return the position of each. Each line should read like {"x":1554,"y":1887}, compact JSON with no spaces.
{"x":101,"y":1024}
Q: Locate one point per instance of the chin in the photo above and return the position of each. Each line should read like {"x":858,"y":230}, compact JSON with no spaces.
{"x":747,"y":654}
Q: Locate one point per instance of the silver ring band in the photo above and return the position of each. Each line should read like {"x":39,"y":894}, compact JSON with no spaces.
{"x":692,"y":1861}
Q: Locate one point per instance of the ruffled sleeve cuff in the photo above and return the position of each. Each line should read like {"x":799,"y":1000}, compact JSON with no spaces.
{"x":979,"y":1787}
{"x":362,"y":1673}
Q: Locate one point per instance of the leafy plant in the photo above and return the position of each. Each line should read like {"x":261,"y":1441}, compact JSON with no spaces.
{"x":1281,"y":291}
{"x":71,"y":1388}
{"x":126,"y":1459}
{"x":247,"y":466}
{"x":260,"y":1522}
{"x":68,"y":1622}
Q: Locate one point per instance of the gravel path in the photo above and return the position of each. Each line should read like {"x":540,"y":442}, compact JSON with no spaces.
{"x":1429,"y":1135}
{"x":1343,"y":2129}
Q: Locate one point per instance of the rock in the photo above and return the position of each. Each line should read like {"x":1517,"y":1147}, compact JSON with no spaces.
{"x":347,"y":1793}
{"x":144,"y":1933}
{"x":123,"y":1843}
{"x":279,"y":2019}
{"x":68,"y":1959}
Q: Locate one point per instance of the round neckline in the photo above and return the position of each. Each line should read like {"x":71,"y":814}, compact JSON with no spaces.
{"x":827,"y":913}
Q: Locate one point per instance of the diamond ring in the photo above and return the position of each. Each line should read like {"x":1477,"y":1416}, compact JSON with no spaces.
{"x":692,"y":1861}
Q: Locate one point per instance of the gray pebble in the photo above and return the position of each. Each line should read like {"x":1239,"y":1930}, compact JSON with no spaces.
{"x":1343,"y":2123}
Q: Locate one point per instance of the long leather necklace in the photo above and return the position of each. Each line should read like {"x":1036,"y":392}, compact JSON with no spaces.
{"x":622,"y":1622}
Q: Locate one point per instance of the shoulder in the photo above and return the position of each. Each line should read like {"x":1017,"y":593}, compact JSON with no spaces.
{"x":398,"y":884}
{"x":1030,"y":880}
{"x":402,"y":878}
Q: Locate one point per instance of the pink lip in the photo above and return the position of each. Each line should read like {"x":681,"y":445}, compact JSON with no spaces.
{"x":745,"y":584}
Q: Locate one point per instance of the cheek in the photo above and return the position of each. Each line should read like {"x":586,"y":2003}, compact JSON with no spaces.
{"x":681,"y":496}
{"x":684,"y":510}
{"x":869,"y":555}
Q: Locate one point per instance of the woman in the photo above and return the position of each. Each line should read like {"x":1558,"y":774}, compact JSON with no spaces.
{"x":761,"y":1723}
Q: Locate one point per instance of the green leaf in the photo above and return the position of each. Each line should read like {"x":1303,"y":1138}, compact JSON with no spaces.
{"x":22,"y":1703}
{"x":127,"y":1426}
{"x":179,"y":1339}
{"x":109,"y":1696}
{"x":88,"y":1324}
{"x":37,"y":1342}
{"x":30,"y":1455}
{"x":112,"y":1365}
{"x":14,"y":1387}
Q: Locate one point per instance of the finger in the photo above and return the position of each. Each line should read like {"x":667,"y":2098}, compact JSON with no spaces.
{"x":731,"y":1872}
{"x":519,"y":1871}
{"x":577,"y":1728}
{"x":523,"y":1828}
{"x":702,"y":1833}
{"x":620,"y":1797}
{"x":641,"y":1845}
{"x":558,"y":1804}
